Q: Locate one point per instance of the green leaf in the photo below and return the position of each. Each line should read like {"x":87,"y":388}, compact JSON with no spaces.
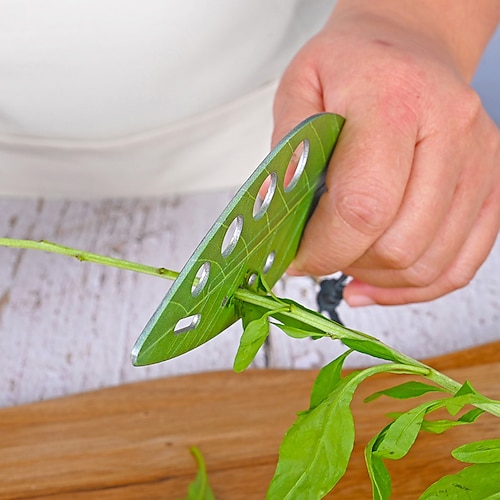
{"x":295,"y":307}
{"x":200,"y":489}
{"x":263,"y":286}
{"x":471,"y":416}
{"x":251,"y":313}
{"x":468,"y":395}
{"x":294,"y":327}
{"x":402,"y":433}
{"x":299,"y":333}
{"x":453,"y":404}
{"x":394,"y":414}
{"x":315,"y":451}
{"x":407,"y":390}
{"x":480,"y":452}
{"x":327,"y":379}
{"x":456,"y":403}
{"x":466,"y":388}
{"x":440,"y":426}
{"x":477,"y":482}
{"x":372,"y":347}
{"x":379,"y":475}
{"x":251,"y":341}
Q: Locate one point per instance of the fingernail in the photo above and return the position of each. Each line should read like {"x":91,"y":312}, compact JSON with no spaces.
{"x":359,"y":300}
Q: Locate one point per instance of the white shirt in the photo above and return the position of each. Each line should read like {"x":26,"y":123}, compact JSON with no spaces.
{"x":138,"y":98}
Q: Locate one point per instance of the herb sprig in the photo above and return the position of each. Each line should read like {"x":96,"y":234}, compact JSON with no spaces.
{"x":314,"y":455}
{"x":199,"y":489}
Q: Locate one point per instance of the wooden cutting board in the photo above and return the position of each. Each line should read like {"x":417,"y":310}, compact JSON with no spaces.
{"x":132,"y":442}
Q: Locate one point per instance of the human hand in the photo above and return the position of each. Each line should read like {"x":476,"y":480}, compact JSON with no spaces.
{"x":413,"y":202}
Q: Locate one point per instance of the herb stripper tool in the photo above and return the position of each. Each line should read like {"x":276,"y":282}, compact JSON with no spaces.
{"x":251,"y":237}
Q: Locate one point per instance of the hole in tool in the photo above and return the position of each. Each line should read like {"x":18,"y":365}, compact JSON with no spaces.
{"x":201,"y":279}
{"x":187,"y":324}
{"x":252,"y":279}
{"x":296,"y":165}
{"x":266,"y":193}
{"x":269,"y":262}
{"x":232,"y":236}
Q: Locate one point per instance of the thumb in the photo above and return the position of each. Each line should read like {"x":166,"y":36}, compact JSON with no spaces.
{"x":293,"y":103}
{"x":296,"y":99}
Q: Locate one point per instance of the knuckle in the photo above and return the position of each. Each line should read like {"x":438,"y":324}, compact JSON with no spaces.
{"x":490,"y":142}
{"x":421,"y":275}
{"x":396,"y":256}
{"x":367,"y":213}
{"x":460,"y":276}
{"x":469,"y":108}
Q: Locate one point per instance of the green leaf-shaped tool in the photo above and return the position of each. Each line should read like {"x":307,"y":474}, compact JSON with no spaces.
{"x":251,"y":236}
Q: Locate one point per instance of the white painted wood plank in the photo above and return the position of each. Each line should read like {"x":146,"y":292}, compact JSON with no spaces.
{"x":67,"y":326}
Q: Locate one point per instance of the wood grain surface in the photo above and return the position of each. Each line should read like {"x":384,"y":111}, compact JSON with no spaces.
{"x":132,"y":442}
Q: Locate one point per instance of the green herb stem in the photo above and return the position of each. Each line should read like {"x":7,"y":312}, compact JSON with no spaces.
{"x":337,"y":331}
{"x":316,"y":321}
{"x":82,"y":256}
{"x":272,"y":303}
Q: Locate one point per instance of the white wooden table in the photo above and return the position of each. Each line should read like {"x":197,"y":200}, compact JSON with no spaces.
{"x":68,"y":327}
